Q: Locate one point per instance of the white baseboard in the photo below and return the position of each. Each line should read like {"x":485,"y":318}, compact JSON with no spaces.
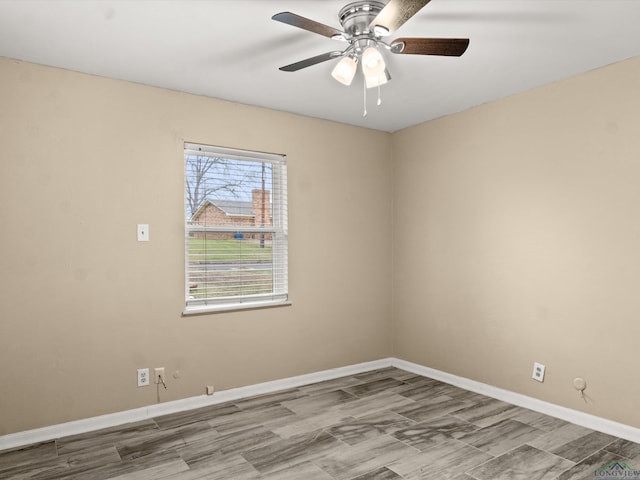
{"x":43,"y":434}
{"x":574,"y":416}
{"x":28,"y":437}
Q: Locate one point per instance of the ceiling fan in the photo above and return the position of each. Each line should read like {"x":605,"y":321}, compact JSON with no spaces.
{"x":364,"y":24}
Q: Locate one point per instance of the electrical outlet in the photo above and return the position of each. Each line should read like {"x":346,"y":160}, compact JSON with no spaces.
{"x":143,"y":377}
{"x":159,"y":375}
{"x":538,"y":372}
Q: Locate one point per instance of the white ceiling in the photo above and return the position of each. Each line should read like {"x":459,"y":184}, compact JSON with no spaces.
{"x":231,"y":49}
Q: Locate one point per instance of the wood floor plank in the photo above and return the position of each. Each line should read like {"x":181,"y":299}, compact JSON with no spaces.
{"x":585,"y":470}
{"x":560,"y":437}
{"x":487,"y":412}
{"x":269,"y":399}
{"x":43,"y":469}
{"x":430,"y":433}
{"x":378,"y":374}
{"x":196,"y":416}
{"x":306,"y":471}
{"x":352,"y":461}
{"x":501,"y":437}
{"x":432,"y":408}
{"x":330,"y":385}
{"x":625,"y":449}
{"x":156,"y":472}
{"x":25,"y":455}
{"x":105,"y":437}
{"x":204,"y":451}
{"x":106,"y":471}
{"x":219,"y":467}
{"x":244,"y":419}
{"x":369,"y":427}
{"x":380,"y":402}
{"x":379,"y":474}
{"x":318,"y":402}
{"x":374,"y":386}
{"x":523,"y":462}
{"x":442,"y":461}
{"x":293,"y":451}
{"x":584,"y":447}
{"x":538,"y":420}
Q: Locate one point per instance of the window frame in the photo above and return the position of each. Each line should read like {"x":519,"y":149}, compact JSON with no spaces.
{"x":278,"y":230}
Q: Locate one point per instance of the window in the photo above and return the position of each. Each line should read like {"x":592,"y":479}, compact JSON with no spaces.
{"x":236,"y":229}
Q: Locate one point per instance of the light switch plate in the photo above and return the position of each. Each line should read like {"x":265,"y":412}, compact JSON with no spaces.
{"x":143,"y":232}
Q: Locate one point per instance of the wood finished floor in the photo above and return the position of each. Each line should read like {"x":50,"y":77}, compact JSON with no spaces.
{"x":382,"y":425}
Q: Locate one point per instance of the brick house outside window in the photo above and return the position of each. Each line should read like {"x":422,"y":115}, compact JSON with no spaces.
{"x":254,"y":213}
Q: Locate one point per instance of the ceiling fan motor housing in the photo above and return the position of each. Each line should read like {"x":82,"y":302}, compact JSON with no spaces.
{"x":356,"y":17}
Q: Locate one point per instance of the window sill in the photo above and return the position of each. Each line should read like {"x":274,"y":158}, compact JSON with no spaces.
{"x":209,"y":309}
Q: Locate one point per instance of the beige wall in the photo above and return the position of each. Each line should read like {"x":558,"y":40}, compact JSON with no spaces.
{"x":517,"y":239}
{"x":83,"y":304}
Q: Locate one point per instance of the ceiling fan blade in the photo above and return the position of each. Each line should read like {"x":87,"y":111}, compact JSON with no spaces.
{"x":452,"y":47}
{"x":308,"y":24}
{"x":294,"y":67}
{"x":396,"y":13}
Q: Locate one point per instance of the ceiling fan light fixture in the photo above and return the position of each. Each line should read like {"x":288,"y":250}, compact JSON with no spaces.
{"x":377,"y":79}
{"x":372,"y":62}
{"x":345,"y":70}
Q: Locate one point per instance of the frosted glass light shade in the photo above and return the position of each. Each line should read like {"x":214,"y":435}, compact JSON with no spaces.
{"x":377,"y":79}
{"x":345,"y":70}
{"x":372,"y":62}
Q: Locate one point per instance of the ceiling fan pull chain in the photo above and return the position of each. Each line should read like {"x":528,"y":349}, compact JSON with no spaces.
{"x":364,"y":94}
{"x":379,"y":97}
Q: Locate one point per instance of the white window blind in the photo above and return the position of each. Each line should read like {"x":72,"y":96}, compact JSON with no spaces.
{"x":236,"y":228}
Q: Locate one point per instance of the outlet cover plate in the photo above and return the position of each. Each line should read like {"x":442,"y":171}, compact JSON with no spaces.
{"x":143,"y":377}
{"x":538,"y":372}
